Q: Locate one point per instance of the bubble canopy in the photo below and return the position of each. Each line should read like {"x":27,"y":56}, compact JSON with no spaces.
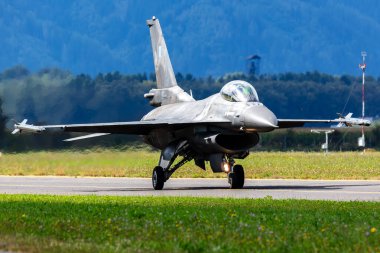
{"x":239,"y":91}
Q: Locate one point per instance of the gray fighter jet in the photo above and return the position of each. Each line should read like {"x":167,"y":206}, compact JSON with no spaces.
{"x":218,"y":129}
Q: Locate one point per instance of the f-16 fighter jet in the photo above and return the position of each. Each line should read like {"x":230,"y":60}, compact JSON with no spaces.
{"x":219,"y":129}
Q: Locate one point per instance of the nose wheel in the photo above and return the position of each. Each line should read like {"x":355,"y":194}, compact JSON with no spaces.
{"x":236,"y":177}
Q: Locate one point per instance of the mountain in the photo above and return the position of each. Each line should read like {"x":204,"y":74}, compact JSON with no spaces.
{"x":204,"y":37}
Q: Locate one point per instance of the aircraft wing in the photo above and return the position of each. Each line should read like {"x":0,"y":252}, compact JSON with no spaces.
{"x":288,"y":123}
{"x":131,"y":127}
{"x":348,"y":121}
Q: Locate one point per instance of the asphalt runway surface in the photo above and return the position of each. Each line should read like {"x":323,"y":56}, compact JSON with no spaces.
{"x":345,"y":190}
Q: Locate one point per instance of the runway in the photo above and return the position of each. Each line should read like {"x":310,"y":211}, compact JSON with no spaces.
{"x":343,"y":190}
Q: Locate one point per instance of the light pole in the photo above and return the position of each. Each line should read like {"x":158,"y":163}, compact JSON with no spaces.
{"x":325,"y":146}
{"x":363,"y":66}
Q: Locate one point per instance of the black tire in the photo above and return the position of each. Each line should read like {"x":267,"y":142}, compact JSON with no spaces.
{"x":158,"y":178}
{"x":236,"y":177}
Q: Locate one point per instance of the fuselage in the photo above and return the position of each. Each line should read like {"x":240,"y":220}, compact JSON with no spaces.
{"x":234,"y":124}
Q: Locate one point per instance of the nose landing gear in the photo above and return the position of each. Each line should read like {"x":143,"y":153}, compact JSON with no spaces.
{"x":236,"y":177}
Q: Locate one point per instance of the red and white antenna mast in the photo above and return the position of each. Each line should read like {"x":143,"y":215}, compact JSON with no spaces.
{"x":363,"y":66}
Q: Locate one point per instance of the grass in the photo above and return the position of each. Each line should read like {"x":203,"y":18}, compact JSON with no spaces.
{"x":36,"y":223}
{"x":139,"y":163}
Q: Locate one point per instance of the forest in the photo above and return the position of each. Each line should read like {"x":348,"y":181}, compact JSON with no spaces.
{"x":56,"y":96}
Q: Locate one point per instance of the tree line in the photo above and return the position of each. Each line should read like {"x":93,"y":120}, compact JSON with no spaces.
{"x":56,"y":96}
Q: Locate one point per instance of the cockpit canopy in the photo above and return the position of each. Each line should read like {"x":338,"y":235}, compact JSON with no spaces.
{"x":239,"y":91}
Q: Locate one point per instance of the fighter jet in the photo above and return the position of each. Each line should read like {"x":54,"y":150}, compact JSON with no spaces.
{"x":218,"y":130}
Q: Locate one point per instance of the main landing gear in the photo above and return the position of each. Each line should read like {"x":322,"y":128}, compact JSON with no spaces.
{"x":219,"y":163}
{"x":165,"y":169}
{"x":235,"y":177}
{"x":158,"y":178}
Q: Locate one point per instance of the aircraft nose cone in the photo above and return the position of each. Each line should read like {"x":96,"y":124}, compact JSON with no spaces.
{"x":259,"y":118}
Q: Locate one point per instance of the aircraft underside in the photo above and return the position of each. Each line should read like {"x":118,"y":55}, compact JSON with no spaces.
{"x":220,"y":148}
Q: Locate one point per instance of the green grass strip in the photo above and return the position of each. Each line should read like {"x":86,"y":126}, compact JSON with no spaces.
{"x":132,"y":163}
{"x":37,"y":223}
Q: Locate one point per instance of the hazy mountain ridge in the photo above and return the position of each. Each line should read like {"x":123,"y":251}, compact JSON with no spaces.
{"x":203,"y":37}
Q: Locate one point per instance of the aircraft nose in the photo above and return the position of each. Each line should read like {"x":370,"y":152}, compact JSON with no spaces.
{"x":259,"y":118}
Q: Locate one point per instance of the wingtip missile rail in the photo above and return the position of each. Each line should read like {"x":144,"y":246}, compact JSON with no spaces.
{"x":29,"y":128}
{"x":348,"y":121}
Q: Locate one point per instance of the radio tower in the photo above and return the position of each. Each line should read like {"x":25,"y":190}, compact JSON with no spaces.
{"x":362,"y":66}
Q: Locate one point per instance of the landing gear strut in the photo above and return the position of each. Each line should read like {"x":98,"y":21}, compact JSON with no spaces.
{"x":236,"y":177}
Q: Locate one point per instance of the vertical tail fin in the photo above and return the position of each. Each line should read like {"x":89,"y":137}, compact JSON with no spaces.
{"x":164,"y":71}
{"x":167,"y":92}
